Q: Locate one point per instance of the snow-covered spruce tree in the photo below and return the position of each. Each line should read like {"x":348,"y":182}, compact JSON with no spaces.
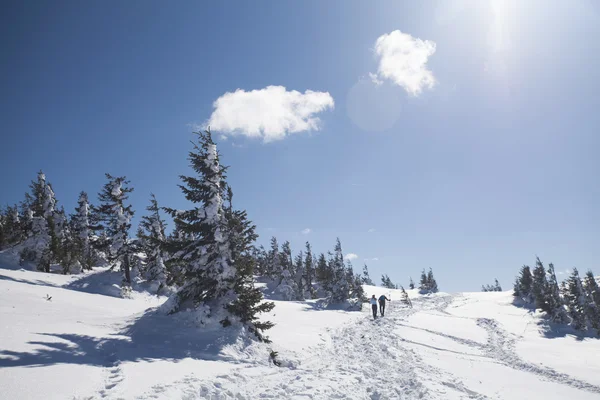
{"x":260,"y":256}
{"x":592,"y":300}
{"x":217,"y":262}
{"x":411,"y":284}
{"x":405,"y":299}
{"x":386,"y":282}
{"x":116,"y":218}
{"x":309,"y":272}
{"x":273,"y":269}
{"x":152,"y":241}
{"x":424,"y":283}
{"x":324,"y":274}
{"x":12,"y":229}
{"x":497,"y":287}
{"x":433,"y":286}
{"x":42,"y":244}
{"x":299,"y":277}
{"x":340,"y":288}
{"x":64,"y":244}
{"x":554,"y":302}
{"x":575,"y":301}
{"x":356,"y":290}
{"x":539,"y":285}
{"x":366,"y":278}
{"x":248,"y":301}
{"x":523,"y":285}
{"x":82,"y":233}
{"x":286,"y":285}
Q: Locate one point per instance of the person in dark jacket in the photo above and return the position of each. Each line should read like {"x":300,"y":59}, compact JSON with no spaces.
{"x":382,"y":300}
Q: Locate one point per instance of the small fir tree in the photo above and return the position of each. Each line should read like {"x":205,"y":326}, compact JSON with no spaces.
{"x":366,"y":278}
{"x":592,"y":301}
{"x":309,"y":272}
{"x":152,"y":243}
{"x":575,"y":300}
{"x":116,"y":215}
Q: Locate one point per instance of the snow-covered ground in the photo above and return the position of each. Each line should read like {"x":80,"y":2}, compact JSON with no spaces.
{"x":70,"y":337}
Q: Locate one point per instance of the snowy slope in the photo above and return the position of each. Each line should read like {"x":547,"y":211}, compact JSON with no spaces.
{"x":84,"y":343}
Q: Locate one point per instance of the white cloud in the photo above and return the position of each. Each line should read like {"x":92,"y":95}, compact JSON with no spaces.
{"x":371,"y":230}
{"x":270,"y":113}
{"x":351,"y":256}
{"x":403,"y":60}
{"x":374,"y":259}
{"x":306,"y":231}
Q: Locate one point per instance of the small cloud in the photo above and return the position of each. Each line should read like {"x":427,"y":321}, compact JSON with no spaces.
{"x":271,"y":113}
{"x":403,"y":60}
{"x":371,"y":230}
{"x":223,"y":137}
{"x":375,"y":79}
{"x":375,"y":259}
{"x":351,"y":256}
{"x":306,"y":231}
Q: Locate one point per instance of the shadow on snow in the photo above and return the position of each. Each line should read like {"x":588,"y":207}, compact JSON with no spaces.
{"x":151,"y":337}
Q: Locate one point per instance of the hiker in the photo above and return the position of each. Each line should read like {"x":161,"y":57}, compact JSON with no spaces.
{"x":382,"y":300}
{"x":373,"y":302}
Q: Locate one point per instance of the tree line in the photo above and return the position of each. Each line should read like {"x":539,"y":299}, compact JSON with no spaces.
{"x":575,"y":301}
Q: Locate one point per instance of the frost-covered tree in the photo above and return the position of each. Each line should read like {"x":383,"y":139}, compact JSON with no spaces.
{"x":285,"y":274}
{"x":433,"y":286}
{"x":405,"y":299}
{"x":323,"y":274}
{"x":523,"y":289}
{"x":13,"y":231}
{"x":592,"y":301}
{"x":218,"y":263}
{"x":42,"y":245}
{"x":81,"y":232}
{"x":299,"y":277}
{"x":411,"y":284}
{"x":116,"y":215}
{"x":386,"y":282}
{"x":248,"y":304}
{"x":152,"y":241}
{"x":309,"y":272}
{"x":273,"y":269}
{"x":539,"y":285}
{"x":555,"y":305}
{"x":366,"y":278}
{"x":492,"y":288}
{"x":423,"y":283}
{"x":575,"y":301}
{"x":340,"y":288}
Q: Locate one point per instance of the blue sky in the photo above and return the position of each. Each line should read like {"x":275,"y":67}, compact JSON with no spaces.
{"x":479,"y":156}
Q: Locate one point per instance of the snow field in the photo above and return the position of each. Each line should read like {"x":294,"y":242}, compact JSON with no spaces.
{"x":84,"y":343}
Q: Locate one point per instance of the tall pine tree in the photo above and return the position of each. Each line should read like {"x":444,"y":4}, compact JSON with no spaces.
{"x":592,"y":300}
{"x":575,"y":300}
{"x":366,"y":278}
{"x":115,"y":216}
{"x":152,"y":242}
{"x":218,"y":260}
{"x":309,"y":272}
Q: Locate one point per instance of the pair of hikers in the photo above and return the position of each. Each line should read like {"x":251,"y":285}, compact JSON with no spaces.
{"x":382,"y":300}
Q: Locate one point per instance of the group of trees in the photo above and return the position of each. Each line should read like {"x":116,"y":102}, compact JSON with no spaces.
{"x":428,"y":284}
{"x":208,"y":259}
{"x":575,"y":301}
{"x":300,"y":277}
{"x":492,"y":288}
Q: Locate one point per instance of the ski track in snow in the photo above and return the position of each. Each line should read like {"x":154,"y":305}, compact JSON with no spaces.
{"x":365,"y":360}
{"x":501,"y":347}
